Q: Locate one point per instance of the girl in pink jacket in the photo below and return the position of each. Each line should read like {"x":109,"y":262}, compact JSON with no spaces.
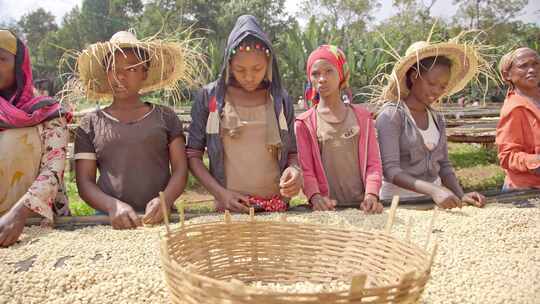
{"x":337,"y":145}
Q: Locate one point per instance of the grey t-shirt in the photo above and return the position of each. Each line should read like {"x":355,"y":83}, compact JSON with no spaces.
{"x":132,"y":158}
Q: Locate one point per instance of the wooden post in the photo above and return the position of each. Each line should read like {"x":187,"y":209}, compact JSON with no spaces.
{"x":252,"y":214}
{"x":358,"y":284}
{"x":227,"y":217}
{"x":391,"y":214}
{"x":409,"y":228}
{"x":165,"y":211}
{"x":430,"y":228}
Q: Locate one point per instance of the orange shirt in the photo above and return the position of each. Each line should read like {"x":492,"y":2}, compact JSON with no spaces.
{"x":518,"y":141}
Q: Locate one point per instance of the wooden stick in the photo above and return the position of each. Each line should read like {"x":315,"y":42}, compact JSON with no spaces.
{"x":165,"y":248}
{"x":409,"y":228}
{"x":195,"y":202}
{"x":252,"y":214}
{"x":93,"y":220}
{"x":227,"y":217}
{"x":430,"y":228}
{"x":407,"y":276}
{"x":89,"y":220}
{"x":391,"y":214}
{"x":493,"y":196}
{"x":358,"y":283}
{"x":165,"y":212}
{"x":239,"y":286}
{"x":181,"y":212}
{"x":433,"y":253}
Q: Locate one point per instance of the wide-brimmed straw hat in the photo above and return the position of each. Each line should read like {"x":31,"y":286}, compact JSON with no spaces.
{"x":465,"y":66}
{"x":168,"y":63}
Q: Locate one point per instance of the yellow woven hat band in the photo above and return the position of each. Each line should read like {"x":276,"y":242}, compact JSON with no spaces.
{"x":8,"y":41}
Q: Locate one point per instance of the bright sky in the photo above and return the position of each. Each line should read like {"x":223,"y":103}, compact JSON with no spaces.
{"x":14,"y":9}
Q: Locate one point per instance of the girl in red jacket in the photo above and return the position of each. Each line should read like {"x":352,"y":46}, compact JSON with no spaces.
{"x":337,"y":146}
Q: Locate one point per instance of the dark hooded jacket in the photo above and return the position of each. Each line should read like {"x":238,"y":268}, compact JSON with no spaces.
{"x":210,"y":100}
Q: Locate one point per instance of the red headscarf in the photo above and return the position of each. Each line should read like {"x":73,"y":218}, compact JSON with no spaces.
{"x":335,"y":57}
{"x":23,"y":109}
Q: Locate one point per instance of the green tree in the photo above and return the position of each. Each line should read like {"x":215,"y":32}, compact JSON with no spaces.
{"x":416,"y":18}
{"x":165,"y":16}
{"x":69,"y":36}
{"x":35,"y":25}
{"x":370,"y":48}
{"x":348,"y":17}
{"x":412,"y":10}
{"x":10,"y":24}
{"x":53,"y":46}
{"x":100,"y":19}
{"x":271,"y":15}
{"x":211,"y":20}
{"x":482,"y":14}
{"x":294,"y":47}
{"x":126,"y":8}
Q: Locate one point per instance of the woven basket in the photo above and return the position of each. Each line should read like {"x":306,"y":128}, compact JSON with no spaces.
{"x":214,"y":262}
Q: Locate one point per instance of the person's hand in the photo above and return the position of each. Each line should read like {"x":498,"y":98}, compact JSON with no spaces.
{"x":474,"y":198}
{"x":122,"y":216}
{"x":446,"y":199}
{"x":371,"y":204}
{"x":322,"y":203}
{"x":290,"y":182}
{"x":153,"y":213}
{"x":12,"y":225}
{"x":232,"y":201}
{"x":536,"y":162}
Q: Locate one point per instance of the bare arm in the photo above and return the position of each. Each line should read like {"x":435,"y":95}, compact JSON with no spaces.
{"x":121,"y":214}
{"x":406,"y":181}
{"x":451,"y":182}
{"x":88,"y":190}
{"x":200,"y":171}
{"x":176,"y":185}
{"x":179,"y":168}
{"x":226,"y":199}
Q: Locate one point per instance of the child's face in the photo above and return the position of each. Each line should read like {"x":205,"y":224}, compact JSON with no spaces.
{"x":249,"y":68}
{"x":127,"y":76}
{"x":7,"y":70}
{"x":325,"y":78}
{"x":428,"y":86}
{"x":525,"y":70}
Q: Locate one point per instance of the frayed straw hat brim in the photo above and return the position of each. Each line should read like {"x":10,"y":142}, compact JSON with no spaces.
{"x":173,"y":63}
{"x":166,"y":66}
{"x":464,"y":68}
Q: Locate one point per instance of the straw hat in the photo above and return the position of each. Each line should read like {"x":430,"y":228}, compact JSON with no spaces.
{"x":465,"y":67}
{"x":168,"y":63}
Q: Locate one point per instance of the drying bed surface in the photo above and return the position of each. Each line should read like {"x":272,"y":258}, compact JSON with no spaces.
{"x":489,"y":255}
